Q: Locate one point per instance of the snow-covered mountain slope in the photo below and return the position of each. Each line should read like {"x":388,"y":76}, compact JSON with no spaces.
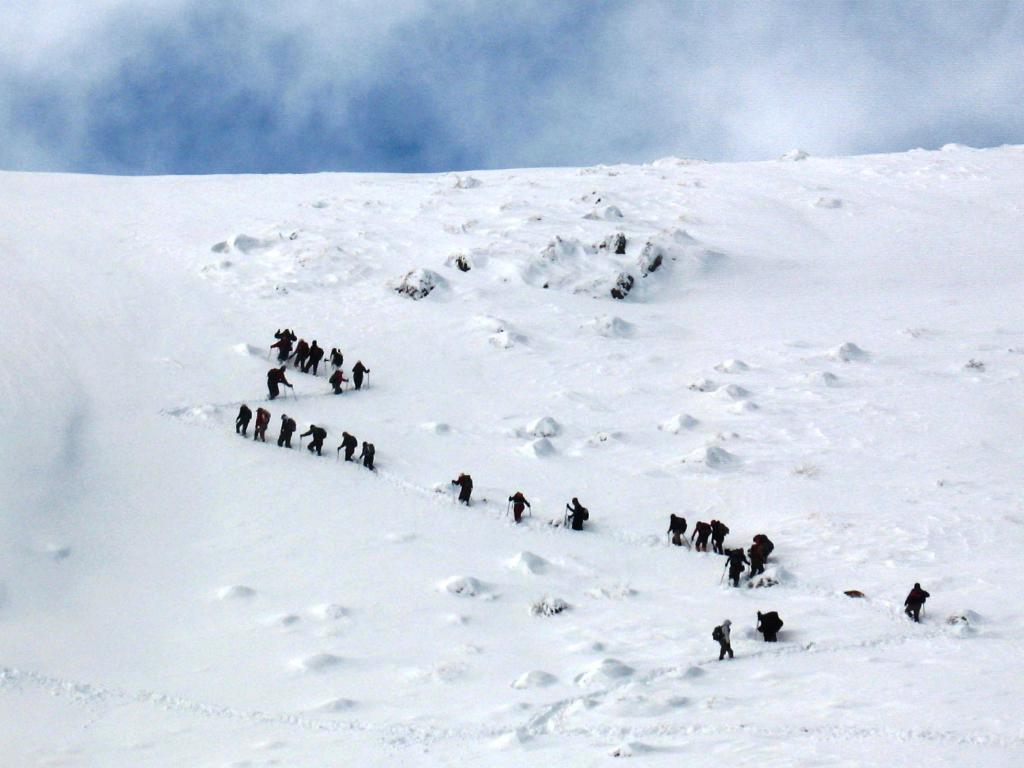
{"x":793,"y":356}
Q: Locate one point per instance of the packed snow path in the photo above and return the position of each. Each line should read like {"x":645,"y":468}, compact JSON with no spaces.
{"x":827,"y":351}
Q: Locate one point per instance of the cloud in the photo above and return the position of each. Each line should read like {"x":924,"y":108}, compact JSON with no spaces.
{"x":173,"y":86}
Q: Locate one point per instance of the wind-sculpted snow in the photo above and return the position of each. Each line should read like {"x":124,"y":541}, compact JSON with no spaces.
{"x":823,"y":350}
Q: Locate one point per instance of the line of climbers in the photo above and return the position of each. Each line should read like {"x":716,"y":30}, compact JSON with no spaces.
{"x":288,"y":428}
{"x":307,"y":357}
{"x":716,"y":530}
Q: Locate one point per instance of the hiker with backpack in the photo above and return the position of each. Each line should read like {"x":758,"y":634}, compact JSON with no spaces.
{"x":349,"y":443}
{"x":519,"y":503}
{"x":319,"y":434}
{"x":914,"y":602}
{"x":316,"y":354}
{"x":769,"y":624}
{"x":262,"y":422}
{"x":736,"y":562}
{"x":288,"y":427}
{"x":719,"y":531}
{"x":465,"y":483}
{"x":242,"y":420}
{"x":275,"y":378}
{"x":337,"y":381}
{"x":722,"y":634}
{"x":576,"y":514}
{"x":701,"y":531}
{"x":358,"y":371}
{"x":677,"y":528}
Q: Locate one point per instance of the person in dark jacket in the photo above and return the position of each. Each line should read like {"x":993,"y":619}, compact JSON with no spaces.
{"x":275,"y":378}
{"x":242,"y":420}
{"x":357,"y":373}
{"x":337,"y":359}
{"x":719,"y":531}
{"x":722,"y":633}
{"x":757,"y":558}
{"x":288,"y":427}
{"x":349,"y":443}
{"x":677,"y":527}
{"x":337,"y":381}
{"x":701,"y":532}
{"x":576,"y":514}
{"x":301,"y":354}
{"x":262,"y":422}
{"x":736,"y":562}
{"x":367,"y":455}
{"x":915,"y":600}
{"x":519,"y":503}
{"x":766,"y":545}
{"x":465,"y":483}
{"x":319,"y":434}
{"x":283,"y":345}
{"x":316,"y":354}
{"x":769,"y":624}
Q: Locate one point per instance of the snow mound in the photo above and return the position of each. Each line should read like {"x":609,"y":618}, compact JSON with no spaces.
{"x":235,"y":592}
{"x":528,"y":563}
{"x":744,"y":406}
{"x":773,"y":576}
{"x":601,"y":439}
{"x":459,"y":261}
{"x":607,"y":213}
{"x":435,"y":427}
{"x":328,"y":612}
{"x":501,"y":333}
{"x":463,"y":586}
{"x":332,"y":706}
{"x":244,"y":243}
{"x":611,"y":327}
{"x":963,"y":623}
{"x":828,"y":203}
{"x":548,"y":606}
{"x":795,"y":155}
{"x":615,"y":244}
{"x":604,"y":671}
{"x":511,"y":740}
{"x":732,"y":366}
{"x":538,"y":448}
{"x":713,"y":457}
{"x":466,"y":182}
{"x":419,"y":283}
{"x":629,"y":749}
{"x":545,"y":426}
{"x":847,"y":352}
{"x":678,"y":423}
{"x":617,"y":592}
{"x":703,"y":385}
{"x":281,"y":620}
{"x":732,"y":392}
{"x":57,"y":551}
{"x":824,"y":378}
{"x":315,"y":662}
{"x":535,"y":679}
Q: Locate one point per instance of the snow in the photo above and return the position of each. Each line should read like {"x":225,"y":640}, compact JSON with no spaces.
{"x":172,"y":594}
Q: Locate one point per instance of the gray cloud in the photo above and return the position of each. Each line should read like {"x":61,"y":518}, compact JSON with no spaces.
{"x":141,"y":86}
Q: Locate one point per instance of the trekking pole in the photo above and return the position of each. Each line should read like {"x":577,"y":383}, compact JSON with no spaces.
{"x":722,"y":579}
{"x":508,"y":508}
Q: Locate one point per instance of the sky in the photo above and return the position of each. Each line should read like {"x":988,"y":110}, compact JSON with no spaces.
{"x":260,"y":86}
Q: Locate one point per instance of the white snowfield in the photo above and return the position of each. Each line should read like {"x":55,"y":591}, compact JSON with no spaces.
{"x":827,"y":351}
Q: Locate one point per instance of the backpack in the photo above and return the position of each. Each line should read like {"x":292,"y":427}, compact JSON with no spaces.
{"x":716,"y":634}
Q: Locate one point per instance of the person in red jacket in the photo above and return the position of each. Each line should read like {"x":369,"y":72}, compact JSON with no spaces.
{"x":337,"y":381}
{"x":275,"y":378}
{"x":283,"y":345}
{"x":914,"y":602}
{"x":519,"y":503}
{"x":262,"y":422}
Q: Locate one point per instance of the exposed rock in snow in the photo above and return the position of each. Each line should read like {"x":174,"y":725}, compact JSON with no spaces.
{"x":460,"y":261}
{"x":612,"y":327}
{"x":650,"y":259}
{"x":235,"y":592}
{"x":528,"y":563}
{"x":534,"y":679}
{"x":622,"y":286}
{"x":847,"y":352}
{"x":316,"y":662}
{"x":678,"y":423}
{"x":615,"y":244}
{"x":604,"y":671}
{"x":419,"y":283}
{"x":732,"y":366}
{"x":548,"y":606}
